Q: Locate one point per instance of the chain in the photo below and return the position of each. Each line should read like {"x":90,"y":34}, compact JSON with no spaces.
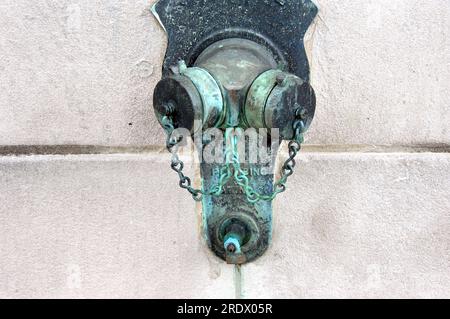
{"x":233,"y":160}
{"x":241,"y":176}
{"x":177,"y":165}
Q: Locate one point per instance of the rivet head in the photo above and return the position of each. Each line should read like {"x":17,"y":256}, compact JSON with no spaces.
{"x":281,"y":79}
{"x":177,"y":96}
{"x":182,"y":67}
{"x":294,"y":100}
{"x":231,"y":248}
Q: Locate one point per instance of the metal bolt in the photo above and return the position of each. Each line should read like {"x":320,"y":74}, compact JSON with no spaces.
{"x":232,"y":245}
{"x":169,"y":108}
{"x":301,"y":113}
{"x":182,"y":67}
{"x":281,"y":78}
{"x":231,"y":248}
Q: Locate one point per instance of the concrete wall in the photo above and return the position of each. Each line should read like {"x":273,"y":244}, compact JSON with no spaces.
{"x":89,"y":208}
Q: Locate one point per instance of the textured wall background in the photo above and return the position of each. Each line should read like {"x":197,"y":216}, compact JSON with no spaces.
{"x":367,"y":214}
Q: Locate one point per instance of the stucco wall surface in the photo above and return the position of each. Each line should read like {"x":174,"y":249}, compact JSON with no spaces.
{"x":380,"y":69}
{"x":90,"y":208}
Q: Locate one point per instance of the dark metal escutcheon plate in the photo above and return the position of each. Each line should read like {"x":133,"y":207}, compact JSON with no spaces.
{"x":279,"y":25}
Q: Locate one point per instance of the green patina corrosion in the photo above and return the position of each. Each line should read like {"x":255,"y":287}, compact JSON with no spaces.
{"x":236,"y":192}
{"x":257,"y":98}
{"x":211,"y":95}
{"x":236,"y":196}
{"x":235,"y":43}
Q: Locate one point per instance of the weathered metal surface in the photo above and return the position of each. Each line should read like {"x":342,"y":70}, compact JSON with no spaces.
{"x":227,"y":45}
{"x":179,"y":96}
{"x":210,"y":94}
{"x":194,"y":25}
{"x":235,"y":63}
{"x":218,"y":211}
{"x":255,"y":104}
{"x":290,"y":99}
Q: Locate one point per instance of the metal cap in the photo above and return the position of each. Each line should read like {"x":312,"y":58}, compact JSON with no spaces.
{"x":291,"y":99}
{"x":178,"y":96}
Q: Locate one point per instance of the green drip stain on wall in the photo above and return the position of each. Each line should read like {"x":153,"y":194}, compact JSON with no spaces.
{"x":238,"y":281}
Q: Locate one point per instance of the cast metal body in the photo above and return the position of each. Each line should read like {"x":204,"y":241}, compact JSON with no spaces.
{"x":236,"y":65}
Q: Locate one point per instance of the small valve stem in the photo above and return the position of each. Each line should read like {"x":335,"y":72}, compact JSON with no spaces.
{"x":232,"y":245}
{"x":234,"y":239}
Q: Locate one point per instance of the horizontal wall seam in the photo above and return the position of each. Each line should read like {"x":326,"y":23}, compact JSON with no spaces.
{"x":24,"y":150}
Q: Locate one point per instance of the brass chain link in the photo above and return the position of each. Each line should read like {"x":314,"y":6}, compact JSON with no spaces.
{"x":241,"y":176}
{"x":232,"y":167}
{"x":177,"y":165}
